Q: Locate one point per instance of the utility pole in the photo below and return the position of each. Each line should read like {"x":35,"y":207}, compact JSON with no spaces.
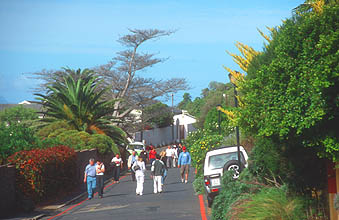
{"x":172,"y":118}
{"x":237,"y":127}
{"x":219,"y":119}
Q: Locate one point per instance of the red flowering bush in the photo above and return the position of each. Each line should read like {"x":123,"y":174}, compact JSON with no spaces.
{"x":44,"y":172}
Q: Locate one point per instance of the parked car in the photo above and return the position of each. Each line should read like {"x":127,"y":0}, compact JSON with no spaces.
{"x":218,"y":161}
{"x":137,"y":146}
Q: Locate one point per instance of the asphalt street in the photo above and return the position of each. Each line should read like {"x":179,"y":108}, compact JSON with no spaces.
{"x":178,"y":201}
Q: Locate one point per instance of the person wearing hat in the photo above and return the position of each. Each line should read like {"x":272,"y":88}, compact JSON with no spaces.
{"x":152,"y":155}
{"x":184,"y":164}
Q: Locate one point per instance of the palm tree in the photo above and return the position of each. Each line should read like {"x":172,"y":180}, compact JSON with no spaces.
{"x":77,"y":100}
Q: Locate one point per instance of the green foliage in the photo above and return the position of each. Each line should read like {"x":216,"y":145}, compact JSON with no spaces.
{"x":158,"y":115}
{"x":292,"y":166}
{"x":75,"y":139}
{"x":266,"y":160}
{"x":233,"y":190}
{"x":187,"y":100}
{"x":48,"y":129}
{"x":198,"y":143}
{"x":216,"y":94}
{"x":80,"y":140}
{"x":103,"y":143}
{"x":291,"y":89}
{"x":198,"y":184}
{"x":18,"y":114}
{"x":272,"y":203}
{"x":211,"y":122}
{"x":15,"y":137}
{"x":78,"y":100}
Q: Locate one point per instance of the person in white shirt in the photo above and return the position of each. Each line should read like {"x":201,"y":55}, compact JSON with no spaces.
{"x":175,"y":156}
{"x":169,"y":156}
{"x":139,"y":168}
{"x":100,"y":169}
{"x":131,"y":160}
{"x":117,"y":166}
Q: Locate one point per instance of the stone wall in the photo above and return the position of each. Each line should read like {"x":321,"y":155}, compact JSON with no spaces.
{"x":7,"y":190}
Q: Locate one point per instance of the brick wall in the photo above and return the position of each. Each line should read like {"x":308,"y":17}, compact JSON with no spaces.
{"x":7,"y":190}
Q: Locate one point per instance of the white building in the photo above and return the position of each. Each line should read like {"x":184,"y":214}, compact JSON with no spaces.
{"x":182,"y":126}
{"x":184,"y":123}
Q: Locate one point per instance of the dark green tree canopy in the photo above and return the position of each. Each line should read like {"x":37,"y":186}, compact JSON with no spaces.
{"x":158,"y":115}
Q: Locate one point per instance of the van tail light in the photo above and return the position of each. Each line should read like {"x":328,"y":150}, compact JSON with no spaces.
{"x":207,"y":182}
{"x":215,"y":190}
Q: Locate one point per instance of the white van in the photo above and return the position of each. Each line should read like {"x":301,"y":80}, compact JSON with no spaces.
{"x":217,"y":161}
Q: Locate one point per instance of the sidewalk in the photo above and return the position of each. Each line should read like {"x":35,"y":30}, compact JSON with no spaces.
{"x":41,"y":211}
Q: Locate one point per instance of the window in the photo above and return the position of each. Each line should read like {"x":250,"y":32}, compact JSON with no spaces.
{"x":136,"y":147}
{"x":218,"y":161}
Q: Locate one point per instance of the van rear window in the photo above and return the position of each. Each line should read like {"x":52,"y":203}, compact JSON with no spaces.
{"x":218,"y":161}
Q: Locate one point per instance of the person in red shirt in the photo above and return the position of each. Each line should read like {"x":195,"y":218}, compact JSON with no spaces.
{"x":152,"y":155}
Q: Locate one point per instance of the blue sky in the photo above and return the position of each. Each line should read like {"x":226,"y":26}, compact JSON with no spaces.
{"x":50,"y":34}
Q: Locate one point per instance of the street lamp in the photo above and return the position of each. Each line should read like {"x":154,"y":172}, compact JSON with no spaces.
{"x":219,"y":119}
{"x":237,"y":127}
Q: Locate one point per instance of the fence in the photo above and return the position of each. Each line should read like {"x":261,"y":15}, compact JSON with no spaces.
{"x":164,"y":136}
{"x":7,"y":190}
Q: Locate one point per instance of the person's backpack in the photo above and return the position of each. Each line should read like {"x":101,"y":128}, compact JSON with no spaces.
{"x":136,"y":167}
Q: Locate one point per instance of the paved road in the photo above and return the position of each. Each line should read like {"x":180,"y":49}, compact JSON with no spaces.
{"x":178,"y":201}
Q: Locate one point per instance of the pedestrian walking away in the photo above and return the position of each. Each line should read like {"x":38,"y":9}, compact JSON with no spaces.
{"x":152,"y":155}
{"x":100,"y":170}
{"x":158,"y":168}
{"x":169,"y":155}
{"x":139,"y":168}
{"x":175,"y":156}
{"x":90,"y":178}
{"x":184,"y":164}
{"x":163,"y":158}
{"x":131,"y":160}
{"x":143,"y":155}
{"x":117,"y":166}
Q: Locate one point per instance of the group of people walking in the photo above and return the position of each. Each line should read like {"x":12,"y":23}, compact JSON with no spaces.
{"x":160,"y":163}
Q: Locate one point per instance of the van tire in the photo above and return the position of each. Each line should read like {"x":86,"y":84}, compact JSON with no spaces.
{"x":233,"y":165}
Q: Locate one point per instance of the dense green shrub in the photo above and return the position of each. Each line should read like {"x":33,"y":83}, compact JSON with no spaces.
{"x":103,"y":143}
{"x":294,"y":166}
{"x":231,"y":191}
{"x":198,"y":184}
{"x":57,"y":132}
{"x":271,"y":203}
{"x":266,"y":160}
{"x":15,"y":137}
{"x":76,"y":139}
{"x":48,"y":129}
{"x":44,"y":172}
